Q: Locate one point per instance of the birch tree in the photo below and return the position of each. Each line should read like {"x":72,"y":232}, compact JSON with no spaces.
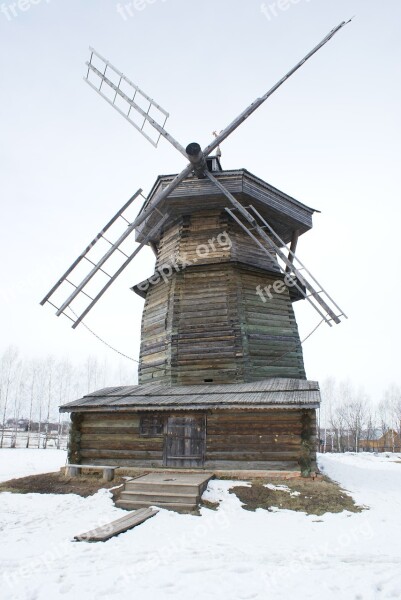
{"x":8,"y":370}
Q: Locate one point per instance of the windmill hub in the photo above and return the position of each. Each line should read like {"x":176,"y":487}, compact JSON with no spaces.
{"x":197,"y":159}
{"x":193,"y":149}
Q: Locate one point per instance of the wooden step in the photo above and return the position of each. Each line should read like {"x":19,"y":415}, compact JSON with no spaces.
{"x":177,"y":506}
{"x":155,"y":498}
{"x":161,"y":488}
{"x":174,"y":491}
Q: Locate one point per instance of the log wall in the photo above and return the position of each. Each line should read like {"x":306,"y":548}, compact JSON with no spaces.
{"x":235,"y":439}
{"x":114,"y":439}
{"x":271,"y":439}
{"x":207,"y":323}
{"x":209,"y":237}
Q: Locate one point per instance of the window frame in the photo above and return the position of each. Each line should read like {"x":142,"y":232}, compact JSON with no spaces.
{"x":151,"y":425}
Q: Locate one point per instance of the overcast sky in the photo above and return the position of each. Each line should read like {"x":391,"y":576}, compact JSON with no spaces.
{"x":330,"y":137}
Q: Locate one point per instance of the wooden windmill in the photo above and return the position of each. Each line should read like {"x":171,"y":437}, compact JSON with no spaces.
{"x":218,"y":309}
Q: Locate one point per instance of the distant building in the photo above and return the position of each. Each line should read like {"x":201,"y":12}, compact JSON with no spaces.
{"x":331,"y":440}
{"x":387,"y":442}
{"x":34,"y":426}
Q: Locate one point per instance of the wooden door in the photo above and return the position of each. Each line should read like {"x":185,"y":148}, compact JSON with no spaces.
{"x":185,"y":441}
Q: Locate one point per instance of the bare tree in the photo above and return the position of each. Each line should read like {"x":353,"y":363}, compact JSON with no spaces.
{"x":8,"y":369}
{"x":356,"y":415}
{"x":384,"y":416}
{"x":18,"y":400}
{"x":41,"y":386}
{"x":370,"y":426}
{"x":50,"y":362}
{"x":328,"y":392}
{"x":92,"y":373}
{"x":397,"y":419}
{"x":392,"y":400}
{"x":63,"y":376}
{"x":33,"y":367}
{"x":338,"y":414}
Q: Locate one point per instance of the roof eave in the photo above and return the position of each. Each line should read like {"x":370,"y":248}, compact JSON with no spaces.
{"x":168,"y":178}
{"x":188,"y":407}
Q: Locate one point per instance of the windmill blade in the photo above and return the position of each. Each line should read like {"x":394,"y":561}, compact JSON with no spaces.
{"x":83,"y":255}
{"x":259,"y":101}
{"x":317,"y":296}
{"x":292,"y":262}
{"x":97,"y":266}
{"x":129,"y":100}
{"x":144,"y":241}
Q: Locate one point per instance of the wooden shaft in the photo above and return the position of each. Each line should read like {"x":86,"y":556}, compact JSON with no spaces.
{"x":197,"y":159}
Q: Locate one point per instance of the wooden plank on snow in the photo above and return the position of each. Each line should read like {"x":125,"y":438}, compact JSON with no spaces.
{"x":105,"y":532}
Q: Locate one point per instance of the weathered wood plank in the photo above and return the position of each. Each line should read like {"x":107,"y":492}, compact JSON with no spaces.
{"x":105,"y":532}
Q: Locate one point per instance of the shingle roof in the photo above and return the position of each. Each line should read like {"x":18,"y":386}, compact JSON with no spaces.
{"x":267,"y":393}
{"x":283,"y":212}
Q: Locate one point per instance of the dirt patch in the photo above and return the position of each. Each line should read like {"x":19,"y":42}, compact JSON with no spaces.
{"x":58,"y":483}
{"x":304,"y":495}
{"x":314,"y":497}
{"x":209,"y":504}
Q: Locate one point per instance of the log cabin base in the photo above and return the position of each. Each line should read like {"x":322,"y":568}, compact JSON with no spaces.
{"x":267,"y":427}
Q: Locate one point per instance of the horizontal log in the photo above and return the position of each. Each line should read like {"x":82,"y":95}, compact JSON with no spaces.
{"x":100,"y":430}
{"x":272,"y":416}
{"x":257,"y":450}
{"x":142,"y":463}
{"x":245,"y":432}
{"x":98,"y":453}
{"x":112,"y":418}
{"x":95,"y":444}
{"x":275,"y":465}
{"x":245,"y":440}
{"x":240,"y":456}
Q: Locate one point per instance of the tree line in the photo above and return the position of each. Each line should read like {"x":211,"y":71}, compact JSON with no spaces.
{"x":348,"y":419}
{"x":32,"y":389}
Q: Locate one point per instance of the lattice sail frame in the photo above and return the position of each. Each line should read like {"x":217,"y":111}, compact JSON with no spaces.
{"x":81,"y":289}
{"x":129,"y":100}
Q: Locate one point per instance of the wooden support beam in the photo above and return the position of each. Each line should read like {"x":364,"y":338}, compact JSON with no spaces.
{"x":293,"y":247}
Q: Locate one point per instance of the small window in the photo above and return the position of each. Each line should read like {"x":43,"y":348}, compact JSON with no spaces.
{"x":213,"y":163}
{"x":151,"y":426}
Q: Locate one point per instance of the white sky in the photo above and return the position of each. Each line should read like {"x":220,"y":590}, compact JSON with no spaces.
{"x":329,"y":137}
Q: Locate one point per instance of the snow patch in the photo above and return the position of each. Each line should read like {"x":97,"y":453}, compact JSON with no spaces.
{"x":18,"y":462}
{"x":282,"y":488}
{"x":240,"y":554}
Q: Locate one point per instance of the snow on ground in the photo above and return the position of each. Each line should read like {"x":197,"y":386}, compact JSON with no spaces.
{"x":230,"y":553}
{"x":281,"y":488}
{"x":23,"y":462}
